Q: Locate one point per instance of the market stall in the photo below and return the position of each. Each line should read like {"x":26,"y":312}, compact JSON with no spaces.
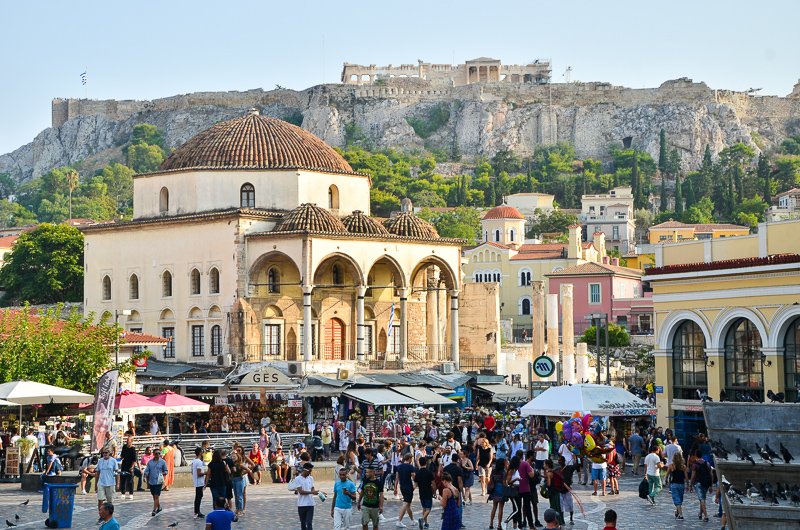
{"x":597,"y":400}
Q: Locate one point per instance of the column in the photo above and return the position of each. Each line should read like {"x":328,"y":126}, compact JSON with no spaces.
{"x":567,"y":334}
{"x":552,"y":331}
{"x":537,"y":334}
{"x":715,"y":371}
{"x":362,"y":290}
{"x":774,"y":371}
{"x":403,"y":326}
{"x":454,"y":355}
{"x":308,"y":333}
{"x":582,"y":363}
{"x":663,"y":359}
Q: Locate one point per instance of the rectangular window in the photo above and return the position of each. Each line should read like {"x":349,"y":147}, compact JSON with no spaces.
{"x":136,"y":349}
{"x":615,"y":233}
{"x":198,"y":344}
{"x":313,"y":342}
{"x":368,"y":347}
{"x":216,"y":340}
{"x":169,"y":349}
{"x":394,"y":340}
{"x":594,"y":293}
{"x":272,"y":339}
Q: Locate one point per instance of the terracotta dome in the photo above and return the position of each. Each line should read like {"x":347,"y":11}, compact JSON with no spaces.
{"x":257,"y":142}
{"x":358,"y":223}
{"x":310,"y":218}
{"x":503,"y":211}
{"x":407,"y":224}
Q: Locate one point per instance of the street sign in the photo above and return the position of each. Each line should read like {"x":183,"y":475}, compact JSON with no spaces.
{"x":659,"y":390}
{"x":544,"y":366}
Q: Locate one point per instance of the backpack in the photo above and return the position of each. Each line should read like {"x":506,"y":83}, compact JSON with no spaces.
{"x":704,"y":474}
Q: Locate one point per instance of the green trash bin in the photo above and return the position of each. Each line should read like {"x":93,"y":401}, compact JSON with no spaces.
{"x":58,"y":501}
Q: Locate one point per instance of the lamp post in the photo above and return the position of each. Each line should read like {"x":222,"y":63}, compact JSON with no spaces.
{"x":117,"y":313}
{"x":597,"y":320}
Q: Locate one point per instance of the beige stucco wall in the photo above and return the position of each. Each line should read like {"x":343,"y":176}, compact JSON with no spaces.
{"x":479,"y":322}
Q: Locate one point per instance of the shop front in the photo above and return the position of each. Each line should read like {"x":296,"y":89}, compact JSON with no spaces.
{"x":263,"y":396}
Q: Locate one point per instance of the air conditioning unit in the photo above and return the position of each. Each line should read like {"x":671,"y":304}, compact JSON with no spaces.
{"x":224,"y":360}
{"x":343,"y":374}
{"x":448,"y":368}
{"x":296,"y":369}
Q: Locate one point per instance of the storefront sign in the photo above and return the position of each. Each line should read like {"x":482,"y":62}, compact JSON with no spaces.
{"x":544,"y":366}
{"x":266,"y":376}
{"x":295,"y":403}
{"x":12,"y":460}
{"x":140,"y":364}
{"x":659,"y":390}
{"x":220,"y":400}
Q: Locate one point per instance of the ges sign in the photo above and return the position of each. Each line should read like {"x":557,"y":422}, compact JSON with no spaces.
{"x":266,"y":376}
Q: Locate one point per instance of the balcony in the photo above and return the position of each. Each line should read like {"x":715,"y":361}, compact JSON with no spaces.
{"x":419,"y":355}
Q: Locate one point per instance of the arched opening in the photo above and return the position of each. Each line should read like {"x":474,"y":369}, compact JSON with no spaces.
{"x":791,"y":360}
{"x":163,"y":200}
{"x":497,"y":236}
{"x":166,"y":284}
{"x":167,"y":322}
{"x":274,"y":280}
{"x":689,"y":361}
{"x":216,"y":340}
{"x":336,"y":275}
{"x":525,"y":306}
{"x":194,"y":281}
{"x":525,"y":277}
{"x":744,"y":371}
{"x":334,"y":347}
{"x":106,"y":288}
{"x":291,"y":345}
{"x":333,"y":198}
{"x":213,"y":281}
{"x":511,"y":235}
{"x":247,"y":196}
{"x":133,"y":287}
{"x":382,"y":342}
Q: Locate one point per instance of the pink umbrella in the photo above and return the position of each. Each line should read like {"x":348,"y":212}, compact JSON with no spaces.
{"x":172,"y":403}
{"x":128,"y":402}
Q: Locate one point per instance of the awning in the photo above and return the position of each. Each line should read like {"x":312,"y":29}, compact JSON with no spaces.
{"x":505,"y":393}
{"x":185,"y":382}
{"x":424,"y":395}
{"x":319,"y":391}
{"x":379,"y":396}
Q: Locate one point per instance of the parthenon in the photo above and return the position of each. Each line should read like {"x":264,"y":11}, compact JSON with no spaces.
{"x":480,"y":70}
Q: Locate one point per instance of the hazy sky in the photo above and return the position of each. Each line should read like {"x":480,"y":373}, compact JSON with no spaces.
{"x":145,"y":50}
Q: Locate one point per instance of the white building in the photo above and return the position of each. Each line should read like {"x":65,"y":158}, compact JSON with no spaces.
{"x":612,"y":214}
{"x":788,"y":206}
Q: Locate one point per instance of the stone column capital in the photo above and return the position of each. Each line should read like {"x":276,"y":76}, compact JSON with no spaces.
{"x":662,"y":353}
{"x":308,"y":289}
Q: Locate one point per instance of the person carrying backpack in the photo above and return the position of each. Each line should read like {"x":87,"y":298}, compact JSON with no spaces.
{"x":701,"y":482}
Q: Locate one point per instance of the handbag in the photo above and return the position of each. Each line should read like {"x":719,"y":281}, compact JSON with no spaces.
{"x":512,"y":492}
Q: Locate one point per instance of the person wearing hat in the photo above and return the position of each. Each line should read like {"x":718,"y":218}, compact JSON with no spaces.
{"x":551,"y":518}
{"x":305,"y":500}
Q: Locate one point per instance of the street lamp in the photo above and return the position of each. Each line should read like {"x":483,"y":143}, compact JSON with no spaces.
{"x":117,"y":313}
{"x":597,"y":320}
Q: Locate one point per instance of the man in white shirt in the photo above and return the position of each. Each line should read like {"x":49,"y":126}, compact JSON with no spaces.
{"x":652,"y":463}
{"x":199,"y":480}
{"x":569,"y":456}
{"x":672,"y":449}
{"x":305,"y":500}
{"x":542,"y":449}
{"x":106,"y":473}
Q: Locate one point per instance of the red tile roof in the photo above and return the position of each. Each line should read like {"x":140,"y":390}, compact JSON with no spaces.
{"x":503,"y":211}
{"x":775,"y":259}
{"x":591,"y":268}
{"x":531,"y":256}
{"x":136,"y":339}
{"x":702,"y":228}
{"x":8,"y":241}
{"x":542,"y":247}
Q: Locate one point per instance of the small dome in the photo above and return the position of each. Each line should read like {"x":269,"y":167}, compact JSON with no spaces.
{"x":503,"y":211}
{"x":310,"y":218}
{"x":409,"y":225}
{"x":358,"y":223}
{"x":258,"y":142}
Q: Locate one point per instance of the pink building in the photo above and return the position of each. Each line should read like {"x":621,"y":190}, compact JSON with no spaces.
{"x":606,"y":288}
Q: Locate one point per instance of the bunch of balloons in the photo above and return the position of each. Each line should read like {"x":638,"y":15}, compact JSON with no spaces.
{"x":584,"y":436}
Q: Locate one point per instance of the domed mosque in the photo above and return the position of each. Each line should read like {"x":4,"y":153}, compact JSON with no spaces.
{"x":254,"y":231}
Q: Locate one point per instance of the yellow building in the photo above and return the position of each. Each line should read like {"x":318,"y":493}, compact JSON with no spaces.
{"x":505,"y":258}
{"x":727,"y":321}
{"x":641,"y":261}
{"x":677,"y":231}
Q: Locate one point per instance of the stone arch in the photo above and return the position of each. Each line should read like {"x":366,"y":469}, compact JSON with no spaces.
{"x":194,"y":281}
{"x":449,"y":276}
{"x":213,"y":280}
{"x":322,"y":272}
{"x":392,"y":264}
{"x":106,"y":288}
{"x":728,"y":317}
{"x":214,"y":312}
{"x":133,"y":287}
{"x":780,"y":324}
{"x":262,"y":263}
{"x":247,"y":196}
{"x":333,"y":197}
{"x":671,"y":323}
{"x":195,"y":313}
{"x":273,"y":311}
{"x":134,"y":317}
{"x":163,"y":200}
{"x":166,"y":314}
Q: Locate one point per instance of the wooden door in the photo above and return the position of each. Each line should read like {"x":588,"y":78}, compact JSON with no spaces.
{"x":334,"y":339}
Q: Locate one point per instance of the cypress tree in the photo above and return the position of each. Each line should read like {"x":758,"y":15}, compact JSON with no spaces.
{"x":662,"y":152}
{"x":691,"y":200}
{"x":636,"y":182}
{"x":664,"y":205}
{"x":678,"y":198}
{"x":490,"y":196}
{"x":763,"y":171}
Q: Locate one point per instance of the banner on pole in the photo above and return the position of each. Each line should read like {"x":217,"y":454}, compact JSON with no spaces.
{"x":104,"y":408}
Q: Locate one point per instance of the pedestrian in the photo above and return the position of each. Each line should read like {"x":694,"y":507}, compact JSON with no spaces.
{"x":424,"y":479}
{"x":53,"y":463}
{"x":701,"y":482}
{"x":370,"y":500}
{"x":257,"y":458}
{"x":636,"y":448}
{"x":155,"y":473}
{"x":405,"y":476}
{"x":467,"y":476}
{"x":106,"y":473}
{"x":565,"y":494}
{"x":599,"y":476}
{"x":127,"y":465}
{"x":672,"y":448}
{"x":551,"y":518}
{"x":199,"y":480}
{"x":107,"y":517}
{"x":612,"y":471}
{"x":344,"y":493}
{"x":610,"y":520}
{"x":516,"y":445}
{"x":216,"y":476}
{"x":239,"y":473}
{"x":513,"y":480}
{"x":542,"y":450}
{"x":501,"y":446}
{"x":485,"y":461}
{"x":274,"y":440}
{"x":327,"y":440}
{"x":677,"y":483}
{"x":146,"y":457}
{"x":554,"y":481}
{"x":496,"y":488}
{"x":305,"y":500}
{"x":220,"y":518}
{"x":652,"y":464}
{"x":168,"y":456}
{"x":451,"y":504}
{"x":530,"y":498}
{"x":155,"y":429}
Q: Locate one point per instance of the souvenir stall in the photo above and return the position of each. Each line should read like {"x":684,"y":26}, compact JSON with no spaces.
{"x":372,"y":406}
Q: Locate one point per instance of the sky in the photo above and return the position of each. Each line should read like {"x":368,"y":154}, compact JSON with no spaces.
{"x":148,"y":49}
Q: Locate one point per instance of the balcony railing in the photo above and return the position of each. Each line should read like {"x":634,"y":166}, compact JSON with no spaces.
{"x":428,"y":354}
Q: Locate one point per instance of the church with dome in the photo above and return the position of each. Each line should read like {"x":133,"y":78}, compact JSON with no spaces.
{"x":254,"y":242}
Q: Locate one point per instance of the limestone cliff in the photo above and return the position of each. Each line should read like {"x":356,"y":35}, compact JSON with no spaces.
{"x":484,"y":118}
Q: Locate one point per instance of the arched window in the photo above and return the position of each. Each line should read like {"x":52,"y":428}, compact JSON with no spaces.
{"x":791,"y":352}
{"x":274,"y":280}
{"x":247,"y":196}
{"x":133,"y":287}
{"x":525,"y":306}
{"x":524,"y":277}
{"x":194,"y":281}
{"x":497,"y":235}
{"x":333,"y":198}
{"x":744,"y":371}
{"x":689,"y":361}
{"x":496,"y":277}
{"x":213,"y":281}
{"x":511,"y":235}
{"x":336,"y":274}
{"x":216,"y":340}
{"x":163,"y":200}
{"x":485,"y":235}
{"x":166,"y":284}
{"x":106,"y":288}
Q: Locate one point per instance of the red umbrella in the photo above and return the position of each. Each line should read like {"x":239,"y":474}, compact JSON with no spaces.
{"x":128,"y":402}
{"x":172,"y":403}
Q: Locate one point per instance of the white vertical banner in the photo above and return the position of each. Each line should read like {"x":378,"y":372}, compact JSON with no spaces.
{"x":104,"y":408}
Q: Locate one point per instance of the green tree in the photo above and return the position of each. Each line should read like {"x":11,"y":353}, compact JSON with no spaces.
{"x":617,"y":336}
{"x":383,"y":203}
{"x":14,"y":214}
{"x":461,"y":223}
{"x":144,"y":158}
{"x":145,"y":133}
{"x":73,"y":179}
{"x":119,"y":183}
{"x":764,"y":173}
{"x":701,"y":213}
{"x":7,"y":185}
{"x":691,"y":198}
{"x":636,"y":184}
{"x":506,"y":161}
{"x":45,"y":266}
{"x":678,"y":197}
{"x":553,"y":222}
{"x":663,"y":203}
{"x":643,"y":219}
{"x":787,"y":171}
{"x":427,"y":199}
{"x":662,"y":152}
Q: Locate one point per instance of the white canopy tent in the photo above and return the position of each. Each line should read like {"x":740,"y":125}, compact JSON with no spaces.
{"x":597,"y":400}
{"x":32,"y":393}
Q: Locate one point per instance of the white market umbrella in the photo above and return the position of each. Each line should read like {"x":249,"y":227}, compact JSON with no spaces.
{"x":597,"y":400}
{"x":4,"y":403}
{"x":32,"y":393}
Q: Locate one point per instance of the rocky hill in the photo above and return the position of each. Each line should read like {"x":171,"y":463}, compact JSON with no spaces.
{"x":471,"y":120}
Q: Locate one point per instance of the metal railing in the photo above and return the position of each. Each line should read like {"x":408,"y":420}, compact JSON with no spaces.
{"x":294,"y":352}
{"x":188,"y":442}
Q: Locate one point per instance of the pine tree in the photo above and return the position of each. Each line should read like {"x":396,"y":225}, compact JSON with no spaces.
{"x":678,"y":198}
{"x":730,"y":197}
{"x":706,"y":182}
{"x":763,"y":171}
{"x":664,"y":205}
{"x":662,"y":152}
{"x":490,"y":195}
